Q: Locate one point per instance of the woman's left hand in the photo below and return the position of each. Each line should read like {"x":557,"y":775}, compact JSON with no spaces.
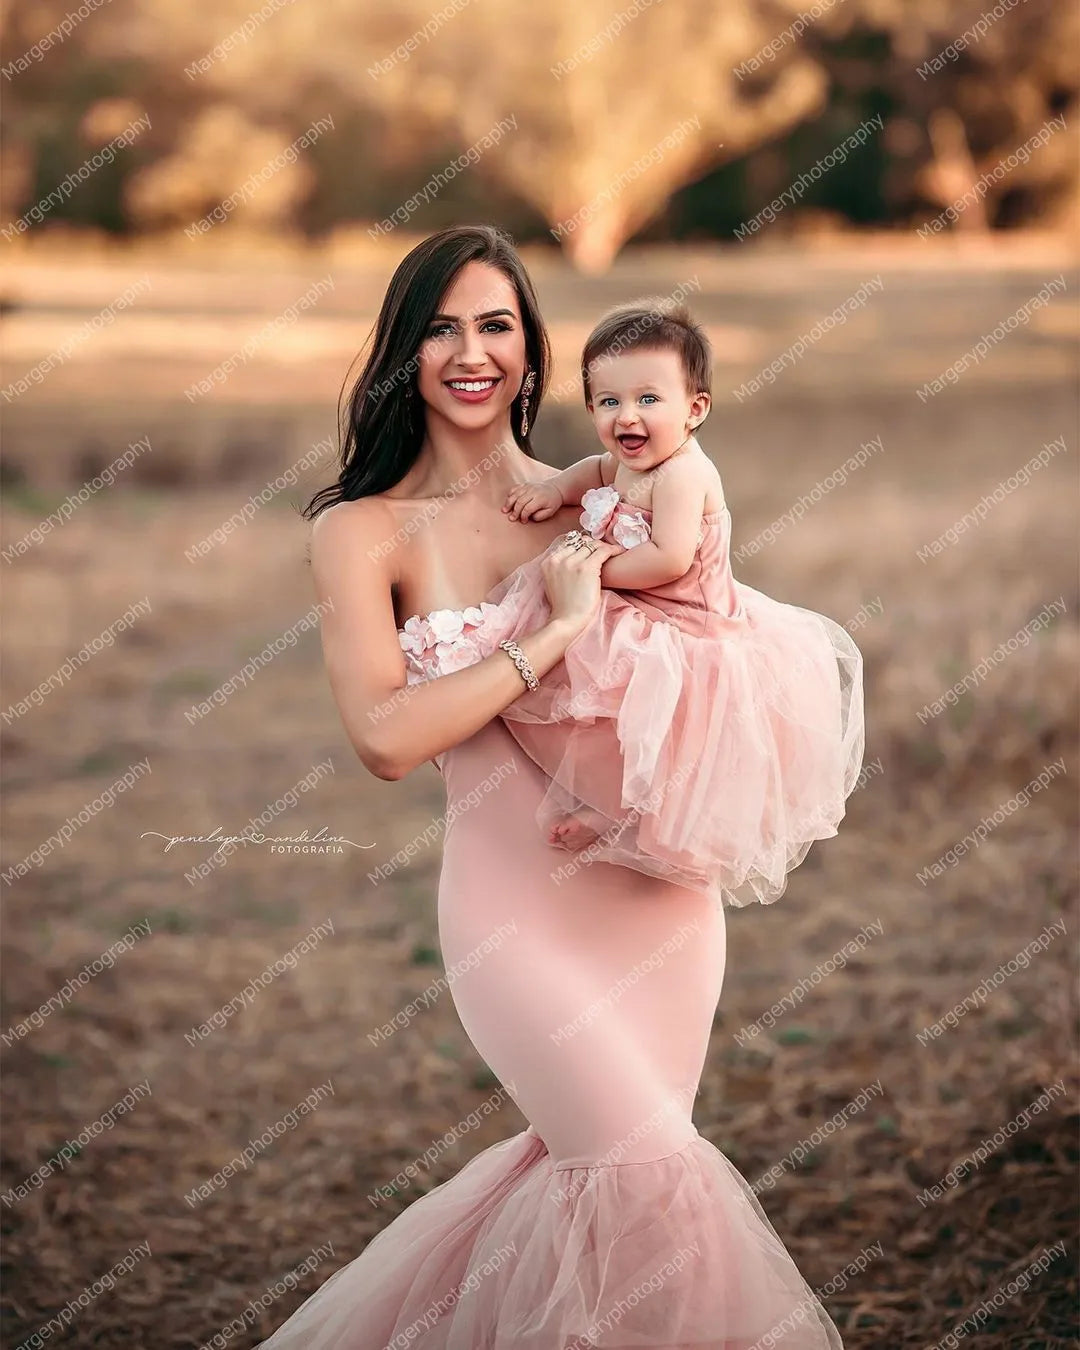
{"x":571,"y":573}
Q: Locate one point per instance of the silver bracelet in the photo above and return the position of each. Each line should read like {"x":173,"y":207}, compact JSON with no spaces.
{"x":525,"y":670}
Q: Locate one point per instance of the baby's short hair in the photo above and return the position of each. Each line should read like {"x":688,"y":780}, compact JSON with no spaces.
{"x":653,"y":324}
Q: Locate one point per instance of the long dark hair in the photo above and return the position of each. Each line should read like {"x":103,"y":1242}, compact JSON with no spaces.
{"x":381,"y":426}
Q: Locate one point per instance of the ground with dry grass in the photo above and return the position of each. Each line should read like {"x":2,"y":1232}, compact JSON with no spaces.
{"x":922,"y":625}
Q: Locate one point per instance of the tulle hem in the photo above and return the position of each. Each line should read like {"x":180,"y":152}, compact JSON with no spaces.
{"x":518,"y":1253}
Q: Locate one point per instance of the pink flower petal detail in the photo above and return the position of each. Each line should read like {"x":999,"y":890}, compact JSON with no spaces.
{"x":631,"y":529}
{"x":456,"y":655}
{"x":446,"y":624}
{"x":598,"y":506}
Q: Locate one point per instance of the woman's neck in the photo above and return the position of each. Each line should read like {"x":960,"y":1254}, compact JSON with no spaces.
{"x":487,"y":462}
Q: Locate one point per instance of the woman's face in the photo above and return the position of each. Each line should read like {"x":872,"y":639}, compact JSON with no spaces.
{"x":472,"y":361}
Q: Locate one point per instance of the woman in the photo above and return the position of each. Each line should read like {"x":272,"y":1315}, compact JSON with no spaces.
{"x":609,"y":1221}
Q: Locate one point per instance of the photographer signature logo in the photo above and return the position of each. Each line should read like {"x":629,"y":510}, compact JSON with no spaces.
{"x":322,"y":842}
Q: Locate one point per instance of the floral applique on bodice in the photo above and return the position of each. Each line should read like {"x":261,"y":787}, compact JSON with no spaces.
{"x":604,"y":512}
{"x":607,"y":515}
{"x":445,"y":640}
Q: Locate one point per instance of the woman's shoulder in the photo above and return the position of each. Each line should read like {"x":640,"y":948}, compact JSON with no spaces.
{"x":359,"y":513}
{"x":361,"y":525}
{"x":539,"y":470}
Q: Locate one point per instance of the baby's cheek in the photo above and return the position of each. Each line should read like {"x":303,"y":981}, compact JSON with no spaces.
{"x":605,"y":428}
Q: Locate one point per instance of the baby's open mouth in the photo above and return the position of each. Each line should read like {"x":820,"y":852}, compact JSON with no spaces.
{"x":631,"y":442}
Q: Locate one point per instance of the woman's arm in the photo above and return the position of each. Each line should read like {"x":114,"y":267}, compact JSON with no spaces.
{"x":394,"y":727}
{"x":678,"y":501}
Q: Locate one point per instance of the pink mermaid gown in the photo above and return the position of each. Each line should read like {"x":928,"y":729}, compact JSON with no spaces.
{"x":610,"y":1221}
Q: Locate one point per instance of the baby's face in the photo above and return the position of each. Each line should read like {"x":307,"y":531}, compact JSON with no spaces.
{"x":640,"y":406}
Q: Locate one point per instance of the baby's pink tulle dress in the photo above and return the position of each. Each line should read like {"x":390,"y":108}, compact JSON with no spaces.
{"x":707,"y":733}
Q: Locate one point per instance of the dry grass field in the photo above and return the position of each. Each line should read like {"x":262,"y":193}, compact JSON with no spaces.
{"x":922,"y":623}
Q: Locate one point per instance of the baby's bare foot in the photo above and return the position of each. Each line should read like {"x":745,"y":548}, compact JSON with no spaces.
{"x":572,"y":833}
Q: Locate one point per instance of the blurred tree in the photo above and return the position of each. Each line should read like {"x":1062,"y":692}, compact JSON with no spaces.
{"x":220,"y":147}
{"x":608,"y":124}
{"x":619,"y":105}
{"x":953,"y":173}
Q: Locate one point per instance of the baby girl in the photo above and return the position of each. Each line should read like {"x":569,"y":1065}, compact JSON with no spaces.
{"x":698,"y":728}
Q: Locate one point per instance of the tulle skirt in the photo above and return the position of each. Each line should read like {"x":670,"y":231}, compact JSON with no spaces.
{"x":707,"y":749}
{"x":515,"y":1253}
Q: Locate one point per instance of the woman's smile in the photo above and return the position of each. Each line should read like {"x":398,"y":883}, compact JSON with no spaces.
{"x":473,"y":390}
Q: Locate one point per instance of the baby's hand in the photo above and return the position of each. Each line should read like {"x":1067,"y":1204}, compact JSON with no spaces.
{"x":532,"y":501}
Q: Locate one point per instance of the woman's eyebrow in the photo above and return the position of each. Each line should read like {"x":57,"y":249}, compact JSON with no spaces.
{"x":489,"y":314}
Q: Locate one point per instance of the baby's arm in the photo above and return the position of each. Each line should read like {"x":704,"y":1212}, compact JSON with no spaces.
{"x":541,"y":499}
{"x":576,"y":480}
{"x":678,"y":501}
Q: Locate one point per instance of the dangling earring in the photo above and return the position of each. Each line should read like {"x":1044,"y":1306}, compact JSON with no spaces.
{"x":526,"y":389}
